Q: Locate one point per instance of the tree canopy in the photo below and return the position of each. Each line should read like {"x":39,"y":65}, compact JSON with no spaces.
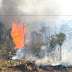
{"x":60,"y":38}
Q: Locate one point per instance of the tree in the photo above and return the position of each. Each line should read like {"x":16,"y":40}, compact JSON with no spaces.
{"x":2,"y":31}
{"x":45,"y":32}
{"x":52,"y":44}
{"x":33,"y":37}
{"x":36,"y":42}
{"x":8,"y":33}
{"x":6,"y":42}
{"x":60,"y":40}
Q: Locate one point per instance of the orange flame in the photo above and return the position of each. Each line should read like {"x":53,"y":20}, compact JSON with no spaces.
{"x":18,"y":32}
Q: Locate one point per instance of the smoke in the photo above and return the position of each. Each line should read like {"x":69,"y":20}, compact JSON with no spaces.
{"x":14,"y":11}
{"x":19,"y":54}
{"x":9,"y":11}
{"x":46,"y":58}
{"x":66,"y":55}
{"x":39,"y":10}
{"x":24,"y":54}
{"x":54,"y":57}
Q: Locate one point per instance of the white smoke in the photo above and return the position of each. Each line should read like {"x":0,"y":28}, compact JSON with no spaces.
{"x":24,"y":54}
{"x":66,"y":55}
{"x":53,"y":57}
{"x":19,"y":54}
{"x":47,"y":58}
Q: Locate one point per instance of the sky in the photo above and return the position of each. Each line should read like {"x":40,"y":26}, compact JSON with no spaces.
{"x":62,"y":8}
{"x":58,"y":9}
{"x":0,"y":3}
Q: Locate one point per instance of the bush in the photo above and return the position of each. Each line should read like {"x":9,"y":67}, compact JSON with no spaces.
{"x":7,"y":64}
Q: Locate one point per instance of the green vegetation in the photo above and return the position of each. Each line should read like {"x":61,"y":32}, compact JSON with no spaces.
{"x":6,"y":42}
{"x":43,"y":38}
{"x":6,"y":63}
{"x":52,"y":44}
{"x":36,"y":42}
{"x":60,"y":40}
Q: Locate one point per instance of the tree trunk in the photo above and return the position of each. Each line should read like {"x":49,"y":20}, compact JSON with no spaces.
{"x":60,"y":53}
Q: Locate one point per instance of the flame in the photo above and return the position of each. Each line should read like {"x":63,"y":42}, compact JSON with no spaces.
{"x":18,"y":34}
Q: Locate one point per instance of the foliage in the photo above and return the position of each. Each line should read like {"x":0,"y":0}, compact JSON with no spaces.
{"x":43,"y":29}
{"x":60,"y":38}
{"x":7,"y":64}
{"x":2,"y":32}
{"x":6,"y":43}
{"x":36,"y":42}
{"x":7,"y":46}
{"x":52,"y":44}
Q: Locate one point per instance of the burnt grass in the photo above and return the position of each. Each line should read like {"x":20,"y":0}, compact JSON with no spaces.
{"x":27,"y":66}
{"x":58,"y":68}
{"x":31,"y":67}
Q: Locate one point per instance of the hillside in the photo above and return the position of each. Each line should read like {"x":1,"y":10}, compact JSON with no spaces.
{"x":31,"y":67}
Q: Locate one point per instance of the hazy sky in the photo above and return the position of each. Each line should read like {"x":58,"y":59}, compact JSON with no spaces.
{"x":63,"y":8}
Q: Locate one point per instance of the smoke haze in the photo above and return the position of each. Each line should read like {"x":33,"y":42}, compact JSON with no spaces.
{"x":14,"y":10}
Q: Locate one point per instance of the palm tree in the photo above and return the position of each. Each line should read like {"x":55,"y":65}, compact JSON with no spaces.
{"x":60,"y":40}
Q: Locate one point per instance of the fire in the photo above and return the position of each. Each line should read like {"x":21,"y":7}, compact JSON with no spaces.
{"x":18,"y":34}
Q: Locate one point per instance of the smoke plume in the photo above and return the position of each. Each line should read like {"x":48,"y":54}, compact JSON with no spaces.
{"x":16,"y":10}
{"x":9,"y":11}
